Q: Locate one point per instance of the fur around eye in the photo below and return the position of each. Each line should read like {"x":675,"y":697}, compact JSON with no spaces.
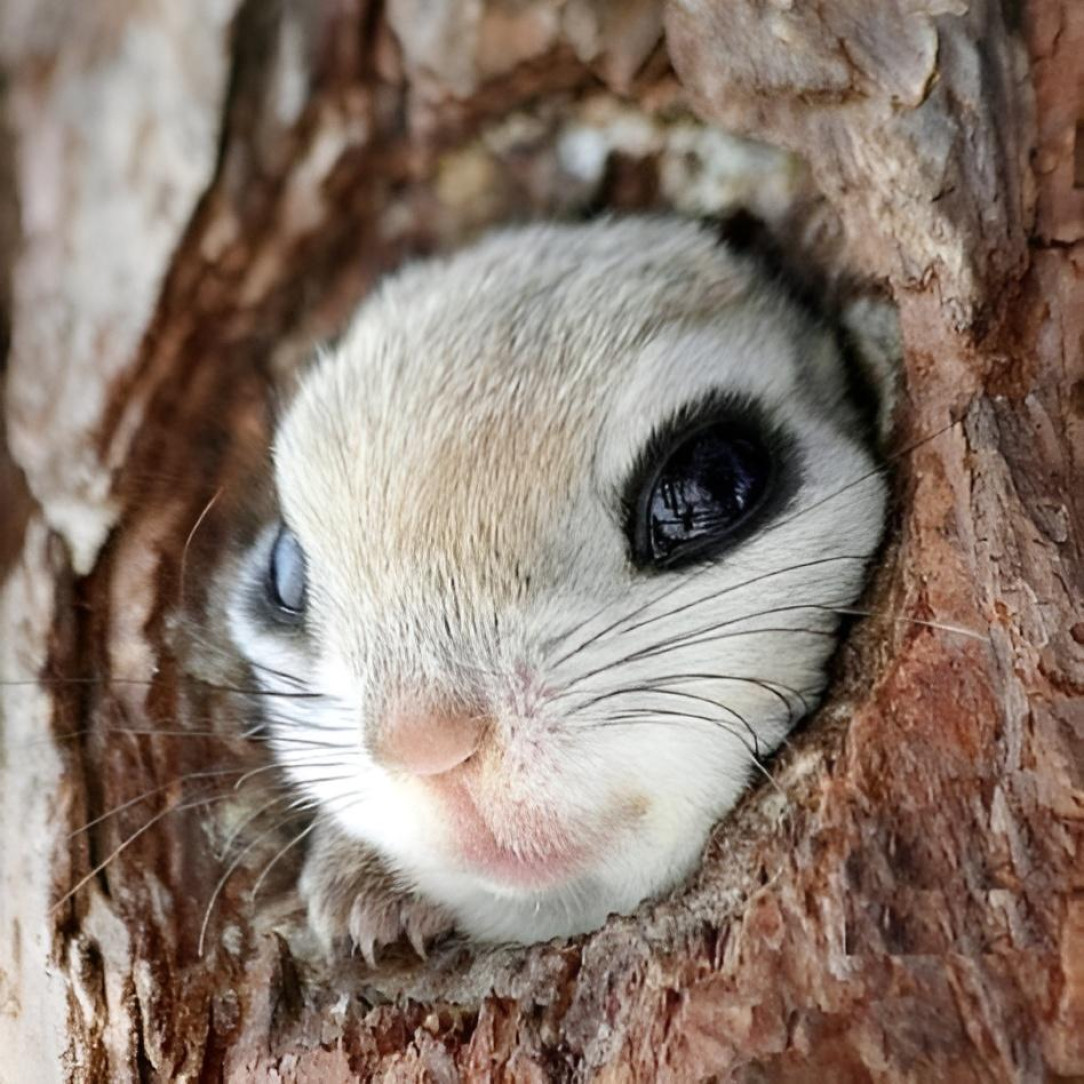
{"x":286,"y":575}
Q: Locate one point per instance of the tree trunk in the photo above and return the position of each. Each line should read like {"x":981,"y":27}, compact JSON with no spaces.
{"x":193,"y":193}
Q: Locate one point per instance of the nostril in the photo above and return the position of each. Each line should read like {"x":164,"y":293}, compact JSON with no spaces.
{"x":428,"y":741}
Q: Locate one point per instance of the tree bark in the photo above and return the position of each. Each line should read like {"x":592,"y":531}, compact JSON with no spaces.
{"x":193,"y":194}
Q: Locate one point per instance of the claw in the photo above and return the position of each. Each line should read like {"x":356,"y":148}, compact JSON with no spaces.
{"x":367,"y":947}
{"x":365,"y":914}
{"x":417,"y":939}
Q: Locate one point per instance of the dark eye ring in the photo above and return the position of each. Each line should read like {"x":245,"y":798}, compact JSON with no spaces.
{"x":703,"y":487}
{"x":287,"y":580}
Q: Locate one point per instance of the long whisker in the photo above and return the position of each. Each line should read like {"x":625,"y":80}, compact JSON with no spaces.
{"x":282,"y":675}
{"x":297,"y":806}
{"x":188,"y":541}
{"x":662,"y":690}
{"x":669,"y":680}
{"x":699,"y":601}
{"x":60,"y":682}
{"x":280,"y":739}
{"x":286,"y":795}
{"x":715,"y":595}
{"x":217,"y":774}
{"x":300,"y":760}
{"x":692,"y":636}
{"x":666,"y":648}
{"x":216,"y":649}
{"x":279,"y":854}
{"x":939,"y":626}
{"x":206,"y":735}
{"x":660,"y":686}
{"x":666,"y":713}
{"x":647,"y":716}
{"x":689,"y":639}
{"x":879,"y":469}
{"x":123,"y":846}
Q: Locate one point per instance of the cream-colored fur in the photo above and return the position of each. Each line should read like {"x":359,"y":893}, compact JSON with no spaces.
{"x":453,"y":470}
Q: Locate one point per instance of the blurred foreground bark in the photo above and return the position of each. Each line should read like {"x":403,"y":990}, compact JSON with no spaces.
{"x":192,"y":194}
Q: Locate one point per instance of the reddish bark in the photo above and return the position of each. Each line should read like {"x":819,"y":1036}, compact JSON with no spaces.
{"x":201,"y":192}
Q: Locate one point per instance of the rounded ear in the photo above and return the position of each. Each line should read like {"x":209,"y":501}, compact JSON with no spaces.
{"x":867,"y":323}
{"x":797,"y":271}
{"x":871,"y":328}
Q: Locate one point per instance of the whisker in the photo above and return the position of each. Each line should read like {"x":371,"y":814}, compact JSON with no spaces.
{"x":299,"y":760}
{"x":714,"y":638}
{"x":652,"y":689}
{"x":680,"y":679}
{"x":297,"y":807}
{"x":718,"y":705}
{"x":940,"y":626}
{"x":701,"y":600}
{"x":188,"y":542}
{"x":692,"y":635}
{"x":715,"y":595}
{"x":179,"y":781}
{"x":271,"y":694}
{"x":279,"y":854}
{"x":123,"y":846}
{"x":880,"y":469}
{"x":690,"y":640}
{"x":769,"y":686}
{"x":649,"y":716}
{"x":282,"y":675}
{"x":695,"y":639}
{"x":48,"y":682}
{"x":286,"y":794}
{"x":284,"y":739}
{"x":215,"y":648}
{"x":247,"y":734}
{"x":105,"y":681}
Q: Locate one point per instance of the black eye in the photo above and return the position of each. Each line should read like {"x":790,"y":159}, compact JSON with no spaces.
{"x":703,"y":488}
{"x":286,"y":574}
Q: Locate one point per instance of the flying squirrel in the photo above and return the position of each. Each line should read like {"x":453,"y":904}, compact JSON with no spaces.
{"x":565,"y":526}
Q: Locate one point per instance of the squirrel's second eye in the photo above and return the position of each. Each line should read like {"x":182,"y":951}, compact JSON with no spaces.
{"x":286,"y":576}
{"x":706,"y":486}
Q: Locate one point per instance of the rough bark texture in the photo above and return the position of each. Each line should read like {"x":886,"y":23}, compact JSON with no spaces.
{"x":194,"y":193}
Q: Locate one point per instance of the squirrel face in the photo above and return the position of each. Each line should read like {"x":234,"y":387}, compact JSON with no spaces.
{"x":567,"y":521}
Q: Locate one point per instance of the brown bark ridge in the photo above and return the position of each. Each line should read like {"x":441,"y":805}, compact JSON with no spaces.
{"x":194,"y":193}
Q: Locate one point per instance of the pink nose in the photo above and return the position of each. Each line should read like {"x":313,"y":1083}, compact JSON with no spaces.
{"x":428,"y":741}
